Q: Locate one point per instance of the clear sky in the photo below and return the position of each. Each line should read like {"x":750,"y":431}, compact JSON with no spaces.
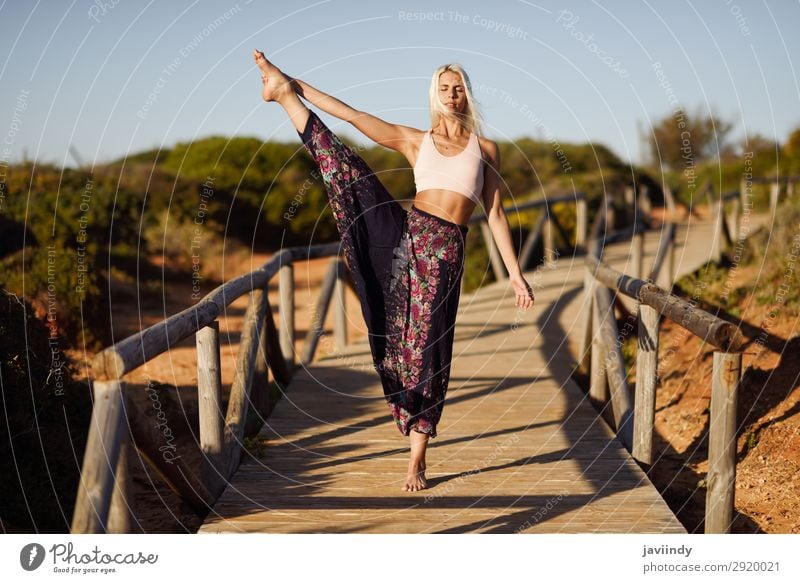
{"x":110,"y":77}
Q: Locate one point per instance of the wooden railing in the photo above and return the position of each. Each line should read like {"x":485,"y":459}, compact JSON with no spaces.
{"x":601,"y":356}
{"x":104,"y":501}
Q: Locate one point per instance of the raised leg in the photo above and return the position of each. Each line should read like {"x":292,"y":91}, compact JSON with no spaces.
{"x":277,"y":87}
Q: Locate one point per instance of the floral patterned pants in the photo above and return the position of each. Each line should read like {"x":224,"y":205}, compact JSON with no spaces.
{"x":406,"y":267}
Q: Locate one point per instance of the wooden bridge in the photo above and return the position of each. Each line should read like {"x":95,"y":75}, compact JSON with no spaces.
{"x":521,"y":448}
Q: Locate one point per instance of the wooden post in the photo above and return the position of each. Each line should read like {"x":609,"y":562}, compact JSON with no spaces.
{"x":630,"y":205}
{"x":598,"y":386}
{"x":287,"y":330}
{"x":239,"y":400}
{"x":549,"y":247}
{"x":669,"y":198}
{"x":664,"y":271}
{"x":743,"y":192}
{"x":122,"y":514}
{"x":671,"y":266}
{"x":638,"y":255}
{"x":716,"y":241}
{"x":317,"y":326}
{"x":581,"y":224}
{"x":272,"y":348}
{"x":584,"y":363}
{"x":152,"y":445}
{"x":646,"y":380}
{"x":614,"y":366}
{"x":644,"y":200}
{"x":339,"y":308}
{"x":721,"y":480}
{"x":735,"y":220}
{"x":209,"y":396}
{"x":259,"y":392}
{"x":726,"y":233}
{"x":774,"y":194}
{"x":100,"y":459}
{"x":530,"y":241}
{"x":494,"y":255}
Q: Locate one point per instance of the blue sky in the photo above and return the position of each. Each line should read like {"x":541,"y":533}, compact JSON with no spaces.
{"x":115,"y":76}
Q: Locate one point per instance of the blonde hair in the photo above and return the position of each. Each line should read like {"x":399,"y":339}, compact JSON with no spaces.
{"x":471,"y":117}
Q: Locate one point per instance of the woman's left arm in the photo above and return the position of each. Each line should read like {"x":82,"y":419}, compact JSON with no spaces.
{"x":498,"y":223}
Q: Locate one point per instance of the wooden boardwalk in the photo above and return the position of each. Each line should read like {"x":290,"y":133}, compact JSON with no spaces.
{"x":520,"y":448}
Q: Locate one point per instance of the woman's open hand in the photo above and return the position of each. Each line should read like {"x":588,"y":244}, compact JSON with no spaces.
{"x":523,"y":291}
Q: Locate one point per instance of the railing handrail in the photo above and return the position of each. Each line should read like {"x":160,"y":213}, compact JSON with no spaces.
{"x":133,"y":351}
{"x":104,"y":498}
{"x":635,"y":422}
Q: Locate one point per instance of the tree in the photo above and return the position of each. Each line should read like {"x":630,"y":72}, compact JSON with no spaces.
{"x":683,"y":139}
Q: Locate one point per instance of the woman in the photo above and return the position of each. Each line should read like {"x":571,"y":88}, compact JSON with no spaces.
{"x":407,"y":265}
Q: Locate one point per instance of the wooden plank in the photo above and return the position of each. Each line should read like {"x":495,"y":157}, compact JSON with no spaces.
{"x":515,"y":433}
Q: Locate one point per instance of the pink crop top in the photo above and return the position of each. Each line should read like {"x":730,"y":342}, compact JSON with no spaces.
{"x":462,"y":173}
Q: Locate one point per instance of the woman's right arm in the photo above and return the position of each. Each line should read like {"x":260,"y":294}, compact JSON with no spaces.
{"x":389,"y":135}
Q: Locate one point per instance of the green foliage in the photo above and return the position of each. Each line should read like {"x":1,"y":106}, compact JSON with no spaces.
{"x":44,"y":425}
{"x":682,"y":138}
{"x":628,"y":348}
{"x":775,"y":251}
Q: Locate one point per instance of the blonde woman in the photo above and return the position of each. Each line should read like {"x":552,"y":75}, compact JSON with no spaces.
{"x":407,"y":265}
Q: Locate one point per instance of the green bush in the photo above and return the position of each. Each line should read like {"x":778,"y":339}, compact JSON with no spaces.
{"x":44,"y":426}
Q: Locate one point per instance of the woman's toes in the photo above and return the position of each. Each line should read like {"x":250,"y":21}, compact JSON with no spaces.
{"x":262,"y":62}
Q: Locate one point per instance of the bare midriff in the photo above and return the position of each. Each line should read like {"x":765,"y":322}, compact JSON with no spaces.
{"x":449,"y":205}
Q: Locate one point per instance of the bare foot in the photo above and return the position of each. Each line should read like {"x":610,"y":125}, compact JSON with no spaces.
{"x":276,"y":83}
{"x":416,"y":463}
{"x":415,"y":480}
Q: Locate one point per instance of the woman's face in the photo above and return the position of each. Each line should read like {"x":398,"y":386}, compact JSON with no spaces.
{"x":452,"y":92}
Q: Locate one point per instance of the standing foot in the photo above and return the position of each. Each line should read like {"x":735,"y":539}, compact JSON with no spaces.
{"x":415,"y":480}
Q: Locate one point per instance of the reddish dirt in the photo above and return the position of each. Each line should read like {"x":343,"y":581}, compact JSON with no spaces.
{"x":767,"y":498}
